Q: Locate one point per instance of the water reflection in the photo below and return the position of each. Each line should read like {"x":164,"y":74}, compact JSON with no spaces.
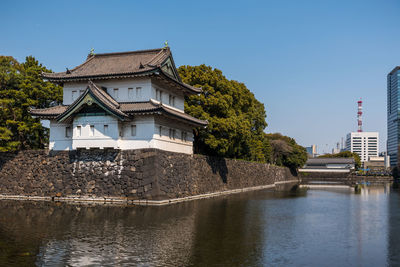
{"x":320,"y":228}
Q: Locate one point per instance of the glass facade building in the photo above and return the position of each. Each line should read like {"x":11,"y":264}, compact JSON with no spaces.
{"x":393,"y":115}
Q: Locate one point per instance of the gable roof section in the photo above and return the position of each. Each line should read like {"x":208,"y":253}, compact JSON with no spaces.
{"x":154,"y":62}
{"x":93,"y":94}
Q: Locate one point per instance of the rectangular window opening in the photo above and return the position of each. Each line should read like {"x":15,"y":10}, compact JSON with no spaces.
{"x":78,"y":130}
{"x":74,"y":95}
{"x":105,"y":129}
{"x":130,"y":93}
{"x":133,"y":130}
{"x":67,"y":131}
{"x":138,"y":92}
{"x":91,"y":130}
{"x":115,"y":92}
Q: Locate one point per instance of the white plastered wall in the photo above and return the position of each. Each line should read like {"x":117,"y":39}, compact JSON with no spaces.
{"x":58,"y":139}
{"x":123,"y":85}
{"x":179,"y":98}
{"x":175,"y":143}
{"x":98,"y":136}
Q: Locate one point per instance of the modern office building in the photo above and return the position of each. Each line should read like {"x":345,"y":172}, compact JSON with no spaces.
{"x":365,"y":144}
{"x":393,"y":116}
{"x":312,"y":150}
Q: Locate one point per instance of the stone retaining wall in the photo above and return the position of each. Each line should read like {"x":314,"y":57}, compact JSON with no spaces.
{"x":148,"y":174}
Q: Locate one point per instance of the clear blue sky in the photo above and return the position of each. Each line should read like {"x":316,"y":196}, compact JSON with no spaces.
{"x":307,"y":61}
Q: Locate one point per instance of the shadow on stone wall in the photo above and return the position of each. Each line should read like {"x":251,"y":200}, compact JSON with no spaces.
{"x":5,"y":157}
{"x":218,"y":165}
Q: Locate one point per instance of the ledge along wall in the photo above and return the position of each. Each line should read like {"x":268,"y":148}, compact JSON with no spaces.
{"x":137,"y":176}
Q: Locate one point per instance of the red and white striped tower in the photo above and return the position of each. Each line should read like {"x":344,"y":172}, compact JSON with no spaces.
{"x":359,"y":116}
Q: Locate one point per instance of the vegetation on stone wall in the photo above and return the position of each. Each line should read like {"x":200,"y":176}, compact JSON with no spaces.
{"x":21,"y":88}
{"x":236,"y":121}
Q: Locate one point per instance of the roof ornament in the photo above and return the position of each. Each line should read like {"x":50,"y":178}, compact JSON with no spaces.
{"x":141,"y":66}
{"x":91,"y":53}
{"x":68,"y":71}
{"x":166,"y":44}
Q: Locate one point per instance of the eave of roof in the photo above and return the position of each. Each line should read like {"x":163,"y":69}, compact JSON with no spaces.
{"x":121,"y":110}
{"x":48,"y":113}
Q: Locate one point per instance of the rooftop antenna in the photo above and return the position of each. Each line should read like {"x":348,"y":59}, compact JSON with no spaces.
{"x":359,"y":116}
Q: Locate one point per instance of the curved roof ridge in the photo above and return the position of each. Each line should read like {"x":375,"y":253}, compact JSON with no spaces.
{"x":128,"y":52}
{"x":106,"y":96}
{"x":161,"y":56}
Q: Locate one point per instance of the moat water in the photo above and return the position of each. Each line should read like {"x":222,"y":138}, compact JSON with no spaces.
{"x":261,"y":228}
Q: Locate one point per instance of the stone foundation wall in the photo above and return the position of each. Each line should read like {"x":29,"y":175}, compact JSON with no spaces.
{"x":136,"y":174}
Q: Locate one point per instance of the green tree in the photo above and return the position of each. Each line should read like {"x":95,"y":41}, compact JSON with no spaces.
{"x":345,"y":154}
{"x":236,"y":118}
{"x":22,"y":88}
{"x":285,"y":151}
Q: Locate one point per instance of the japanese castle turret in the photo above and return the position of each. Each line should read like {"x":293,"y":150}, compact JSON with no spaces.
{"x":127,"y":100}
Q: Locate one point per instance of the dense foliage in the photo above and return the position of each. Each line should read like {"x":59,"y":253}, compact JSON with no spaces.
{"x":21,"y":88}
{"x":345,"y":154}
{"x":236,"y":118}
{"x":236,"y":121}
{"x":285,"y":151}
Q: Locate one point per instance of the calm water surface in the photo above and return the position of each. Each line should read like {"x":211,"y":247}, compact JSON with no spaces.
{"x":262,"y":228}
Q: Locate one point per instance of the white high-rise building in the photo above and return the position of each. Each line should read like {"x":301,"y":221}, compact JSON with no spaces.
{"x":365,"y":144}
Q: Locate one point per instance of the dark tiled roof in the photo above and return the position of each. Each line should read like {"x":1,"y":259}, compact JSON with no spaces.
{"x":323,"y":161}
{"x":49,"y":113}
{"x":122,"y":65}
{"x":115,"y":63}
{"x":122,"y":109}
{"x":152,"y":107}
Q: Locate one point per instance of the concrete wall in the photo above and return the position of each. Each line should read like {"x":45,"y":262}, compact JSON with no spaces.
{"x":134,"y":174}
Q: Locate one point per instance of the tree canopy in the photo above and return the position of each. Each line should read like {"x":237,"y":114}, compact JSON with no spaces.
{"x":236,"y":121}
{"x":236,"y":118}
{"x":21,"y":88}
{"x":285,"y":151}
